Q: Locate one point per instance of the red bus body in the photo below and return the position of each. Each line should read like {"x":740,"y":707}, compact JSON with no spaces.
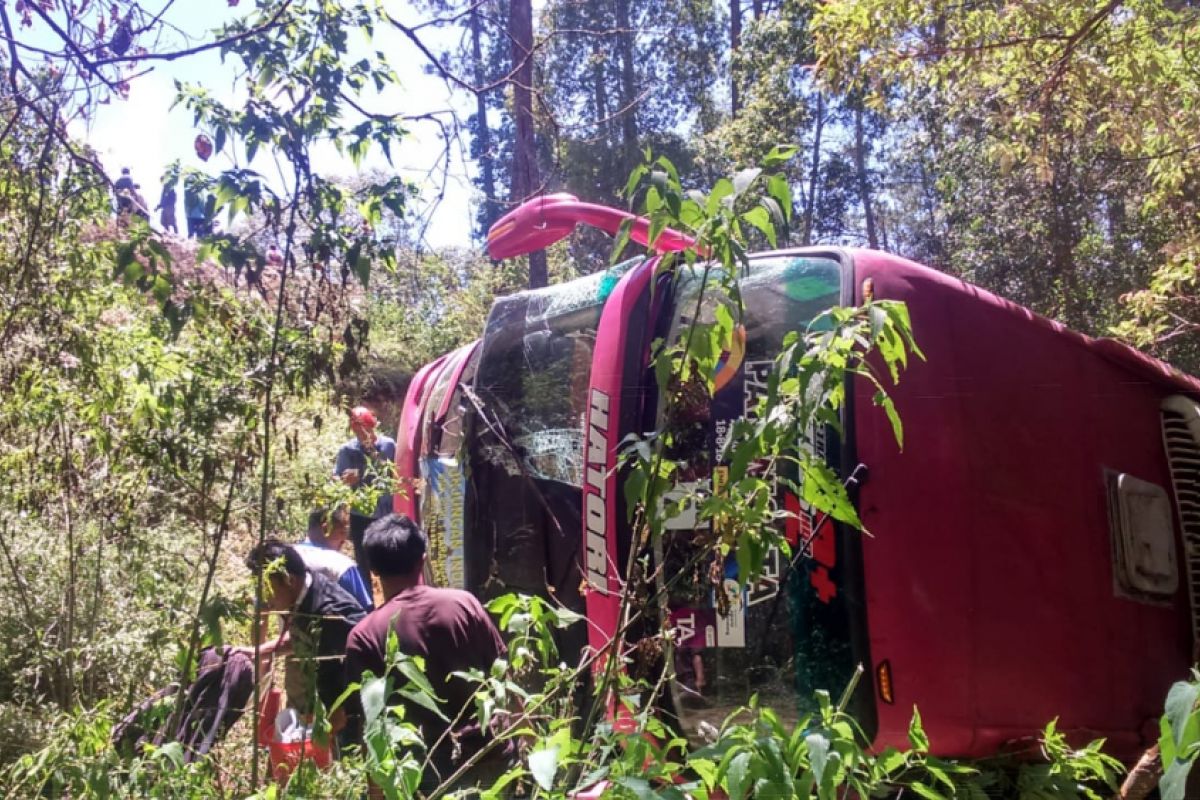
{"x":992,"y":593}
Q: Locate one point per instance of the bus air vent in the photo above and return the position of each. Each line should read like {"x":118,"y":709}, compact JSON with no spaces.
{"x":1143,"y":537}
{"x":1181,"y":435}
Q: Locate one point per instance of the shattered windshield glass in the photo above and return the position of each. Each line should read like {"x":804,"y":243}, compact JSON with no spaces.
{"x":533,"y":375}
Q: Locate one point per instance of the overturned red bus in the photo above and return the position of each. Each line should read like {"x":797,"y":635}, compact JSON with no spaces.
{"x":1036,"y":544}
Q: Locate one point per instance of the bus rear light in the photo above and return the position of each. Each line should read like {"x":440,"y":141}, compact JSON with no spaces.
{"x":883,"y":679}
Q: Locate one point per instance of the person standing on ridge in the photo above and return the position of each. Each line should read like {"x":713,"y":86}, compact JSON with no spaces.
{"x":166,"y":207}
{"x":367,"y":457}
{"x":123,"y":189}
{"x":193,"y":209}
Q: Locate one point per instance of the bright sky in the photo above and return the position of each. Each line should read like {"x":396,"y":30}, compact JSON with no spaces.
{"x":145,"y":134}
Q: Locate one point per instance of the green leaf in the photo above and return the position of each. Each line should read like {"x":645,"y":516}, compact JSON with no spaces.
{"x":1173,"y":785}
{"x":889,"y":408}
{"x":374,"y":698}
{"x":780,"y":190}
{"x":1166,"y":740}
{"x":424,"y":700}
{"x":423,"y":694}
{"x":721,"y":189}
{"x":760,"y":218}
{"x":925,"y":791}
{"x":635,"y":177}
{"x":497,"y":790}
{"x":622,"y":240}
{"x":1180,"y":711}
{"x":639,"y":787}
{"x":891,"y":760}
{"x":916,"y":733}
{"x":738,"y":775}
{"x":818,"y":754}
{"x":780,"y":154}
{"x":657,"y":223}
{"x":744,"y":178}
{"x":823,"y":489}
{"x":543,"y":764}
{"x":172,"y":752}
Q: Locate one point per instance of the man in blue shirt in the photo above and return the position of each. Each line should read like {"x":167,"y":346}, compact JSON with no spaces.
{"x":321,"y":551}
{"x":367,"y":457}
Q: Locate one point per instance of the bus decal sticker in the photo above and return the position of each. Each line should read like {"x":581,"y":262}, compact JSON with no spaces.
{"x":767,"y":585}
{"x":596,"y":505}
{"x":695,"y":628}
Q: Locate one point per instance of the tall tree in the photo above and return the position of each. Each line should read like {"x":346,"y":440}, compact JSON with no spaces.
{"x":735,"y":44}
{"x":625,"y":39}
{"x":814,"y":170}
{"x":862,"y":175}
{"x":526,"y":178}
{"x":621,"y":76}
{"x":481,"y":145}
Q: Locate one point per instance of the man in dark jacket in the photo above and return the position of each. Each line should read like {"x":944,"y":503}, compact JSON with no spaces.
{"x":319,"y":617}
{"x":123,"y":189}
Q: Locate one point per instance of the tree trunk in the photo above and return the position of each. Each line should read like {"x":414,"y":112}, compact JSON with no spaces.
{"x":525,"y":178}
{"x":864,"y":185}
{"x":483,"y":132}
{"x":629,"y":130}
{"x":735,"y":42}
{"x":1144,"y":776}
{"x":810,"y":203}
{"x":600,"y":94}
{"x":757,"y":7}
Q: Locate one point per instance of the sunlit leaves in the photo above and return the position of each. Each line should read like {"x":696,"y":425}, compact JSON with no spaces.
{"x":305,"y":92}
{"x":1084,"y":115}
{"x":806,"y":388}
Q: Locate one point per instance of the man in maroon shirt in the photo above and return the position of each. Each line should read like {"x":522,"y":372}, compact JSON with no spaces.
{"x":446,"y":627}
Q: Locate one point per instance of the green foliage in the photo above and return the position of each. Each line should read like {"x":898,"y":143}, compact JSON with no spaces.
{"x":433,"y":303}
{"x":392,"y":748}
{"x":753,"y":754}
{"x":1054,"y":152}
{"x":807,"y":385}
{"x":1179,"y":741}
{"x":1070,"y":772}
{"x":302,"y":87}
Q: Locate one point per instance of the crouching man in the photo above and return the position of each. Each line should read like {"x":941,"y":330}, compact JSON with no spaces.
{"x":446,"y":627}
{"x":318,"y":617}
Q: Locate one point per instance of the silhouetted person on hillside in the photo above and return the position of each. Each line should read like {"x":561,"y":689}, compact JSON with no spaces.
{"x":123,"y":190}
{"x":166,"y":208}
{"x":194,"y":209}
{"x":140,"y":208}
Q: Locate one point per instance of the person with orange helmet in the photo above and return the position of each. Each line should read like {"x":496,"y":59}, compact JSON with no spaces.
{"x":367,"y":457}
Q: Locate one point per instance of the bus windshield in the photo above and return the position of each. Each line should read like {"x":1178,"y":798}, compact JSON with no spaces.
{"x":787,"y":634}
{"x":525,"y":438}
